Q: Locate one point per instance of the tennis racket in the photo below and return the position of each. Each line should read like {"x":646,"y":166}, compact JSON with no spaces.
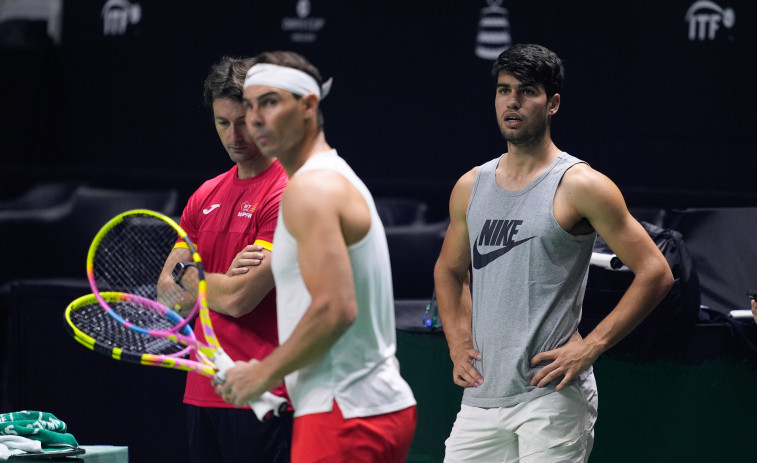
{"x":127,"y":316}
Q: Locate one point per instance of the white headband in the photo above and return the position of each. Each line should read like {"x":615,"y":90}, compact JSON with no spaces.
{"x":286,"y":78}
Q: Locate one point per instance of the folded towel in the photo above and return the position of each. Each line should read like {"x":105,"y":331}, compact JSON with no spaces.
{"x":14,"y":445}
{"x":6,"y":453}
{"x":40,"y":426}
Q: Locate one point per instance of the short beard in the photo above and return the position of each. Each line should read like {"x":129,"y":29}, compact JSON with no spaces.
{"x":528,"y":137}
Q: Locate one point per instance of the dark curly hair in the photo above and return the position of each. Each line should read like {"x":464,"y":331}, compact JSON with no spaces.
{"x":532,"y":64}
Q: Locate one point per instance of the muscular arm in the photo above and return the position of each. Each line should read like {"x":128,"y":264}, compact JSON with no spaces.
{"x":452,"y":282}
{"x":588,"y":194}
{"x":325,"y":214}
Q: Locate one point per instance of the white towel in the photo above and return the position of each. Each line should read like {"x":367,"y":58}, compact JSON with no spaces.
{"x":14,"y":445}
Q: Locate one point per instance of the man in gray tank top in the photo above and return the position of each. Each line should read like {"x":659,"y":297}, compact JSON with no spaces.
{"x":524,"y":224}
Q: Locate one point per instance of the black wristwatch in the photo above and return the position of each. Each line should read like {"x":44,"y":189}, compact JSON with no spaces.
{"x":179,"y":270}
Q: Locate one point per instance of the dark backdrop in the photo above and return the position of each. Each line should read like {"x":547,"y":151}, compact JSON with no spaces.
{"x":668,"y":117}
{"x":411,"y":107}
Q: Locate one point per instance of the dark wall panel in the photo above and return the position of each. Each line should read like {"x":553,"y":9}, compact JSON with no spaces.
{"x":644,"y":102}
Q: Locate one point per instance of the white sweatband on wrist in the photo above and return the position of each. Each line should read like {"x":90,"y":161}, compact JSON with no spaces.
{"x":286,"y":78}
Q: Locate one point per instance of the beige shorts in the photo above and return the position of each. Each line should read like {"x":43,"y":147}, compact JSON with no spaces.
{"x":555,"y":427}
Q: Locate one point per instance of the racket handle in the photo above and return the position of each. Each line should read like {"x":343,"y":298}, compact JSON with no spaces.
{"x":266,"y":405}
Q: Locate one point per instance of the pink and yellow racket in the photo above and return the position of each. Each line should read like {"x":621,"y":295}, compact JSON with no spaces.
{"x":127,"y":316}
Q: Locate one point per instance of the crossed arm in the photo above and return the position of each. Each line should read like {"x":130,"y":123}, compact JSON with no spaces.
{"x":237,"y":292}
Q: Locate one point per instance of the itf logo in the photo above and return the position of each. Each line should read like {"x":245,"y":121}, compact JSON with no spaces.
{"x":117,"y":14}
{"x":705,"y":18}
{"x":303,"y":28}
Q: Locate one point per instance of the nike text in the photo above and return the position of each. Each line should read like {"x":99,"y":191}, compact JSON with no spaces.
{"x":498,"y":232}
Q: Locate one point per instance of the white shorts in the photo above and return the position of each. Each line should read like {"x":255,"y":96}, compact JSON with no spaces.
{"x":555,"y":427}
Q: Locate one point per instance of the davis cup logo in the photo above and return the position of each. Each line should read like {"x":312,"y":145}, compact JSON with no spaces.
{"x":705,"y":19}
{"x":303,"y":28}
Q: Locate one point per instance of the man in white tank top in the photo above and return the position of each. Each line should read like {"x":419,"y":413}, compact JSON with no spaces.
{"x":525,"y":223}
{"x":334,"y":288}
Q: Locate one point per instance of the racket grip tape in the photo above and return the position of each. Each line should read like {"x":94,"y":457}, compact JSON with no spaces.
{"x":266,"y":405}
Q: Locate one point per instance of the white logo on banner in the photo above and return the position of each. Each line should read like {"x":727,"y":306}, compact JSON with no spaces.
{"x":118,"y":14}
{"x":303,"y":28}
{"x":493,"y":31}
{"x":706,"y":17}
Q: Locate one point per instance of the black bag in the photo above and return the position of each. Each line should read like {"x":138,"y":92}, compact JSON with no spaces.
{"x":680,"y":308}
